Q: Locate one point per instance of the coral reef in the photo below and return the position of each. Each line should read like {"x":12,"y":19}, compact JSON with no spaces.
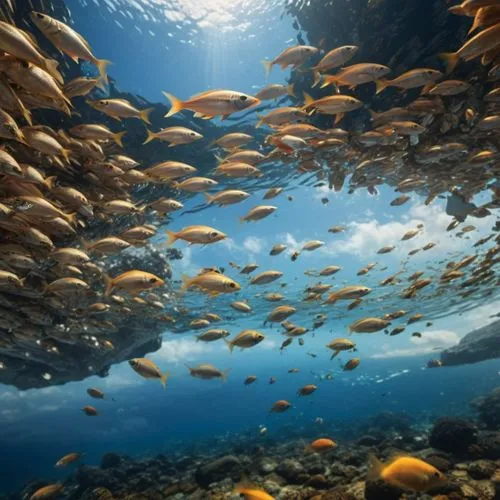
{"x":488,"y":408}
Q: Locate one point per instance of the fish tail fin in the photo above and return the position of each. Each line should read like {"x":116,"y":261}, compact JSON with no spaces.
{"x":27,"y":116}
{"x":118,"y":138}
{"x":260,"y":122}
{"x":316,"y":78}
{"x":102,"y":66}
{"x":151,"y":136}
{"x":208,"y":197}
{"x":224,"y":375}
{"x":268,"y":65}
{"x":85,"y":244}
{"x":50,"y":181}
{"x":458,"y":10}
{"x":186,"y":282}
{"x":477,"y":21}
{"x":330,"y":80}
{"x":144,"y":115}
{"x":308,"y":100}
{"x":375,"y":469}
{"x":380,"y":85}
{"x":230,"y":345}
{"x":164,"y":378}
{"x":176,"y":105}
{"x":290,"y":90}
{"x":373,"y":114}
{"x":242,"y":220}
{"x":450,"y":60}
{"x":172,"y":237}
{"x":51,"y":68}
{"x":109,"y":285}
{"x":72,"y":218}
{"x":65,"y":153}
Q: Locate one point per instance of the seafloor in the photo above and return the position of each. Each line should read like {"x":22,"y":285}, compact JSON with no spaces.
{"x":466,"y":450}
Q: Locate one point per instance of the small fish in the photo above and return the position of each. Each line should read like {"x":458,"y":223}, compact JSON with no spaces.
{"x":280,"y":406}
{"x":266,"y":277}
{"x":339,"y":345}
{"x":207,"y":372}
{"x":368,"y":325}
{"x":68,"y":459}
{"x":211,"y":282}
{"x":90,"y":411}
{"x":149,"y":370}
{"x":95,"y":393}
{"x":250,"y":380}
{"x":245,"y":340}
{"x":120,"y":108}
{"x":322,"y":445}
{"x":212,"y":335}
{"x":201,"y":235}
{"x":249,"y":491}
{"x":406,"y":472}
{"x":212,"y":103}
{"x":46,"y":492}
{"x":307,"y":390}
{"x":132,"y":282}
{"x":174,"y":135}
{"x":291,"y":56}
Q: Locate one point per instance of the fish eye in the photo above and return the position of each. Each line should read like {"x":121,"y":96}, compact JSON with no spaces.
{"x":232,"y":285}
{"x":192,"y":134}
{"x":40,"y":16}
{"x":437,"y":474}
{"x":243,"y":97}
{"x":152,"y":280}
{"x":213,"y":234}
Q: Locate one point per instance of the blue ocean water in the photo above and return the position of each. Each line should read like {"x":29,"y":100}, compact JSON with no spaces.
{"x":186,"y":47}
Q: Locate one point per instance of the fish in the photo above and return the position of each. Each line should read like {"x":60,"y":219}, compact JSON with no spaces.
{"x":95,"y":393}
{"x":340,"y":344}
{"x":196,"y":235}
{"x":90,"y":411}
{"x":333,"y":59}
{"x":266,"y":277}
{"x":274,"y":91}
{"x":312,"y":245}
{"x":249,"y":268}
{"x":212,"y":103}
{"x":232,"y":140}
{"x":322,"y":445}
{"x":212,"y":283}
{"x":245,"y":340}
{"x":212,"y":335}
{"x":421,"y":77}
{"x":406,"y":472}
{"x":280,"y":313}
{"x":149,"y":370}
{"x":357,"y":74}
{"x":307,"y":390}
{"x":480,"y":43}
{"x":368,"y":325}
{"x":15,"y":42}
{"x":250,"y":380}
{"x":241,"y":306}
{"x":291,"y":56}
{"x":132,"y":282}
{"x":46,"y":492}
{"x":249,"y":491}
{"x":348,"y":293}
{"x":207,"y":372}
{"x":277,"y":249}
{"x":120,"y":108}
{"x":194,"y":184}
{"x":68,"y":459}
{"x":280,"y":406}
{"x":174,"y":135}
{"x":97,"y":132}
{"x":351,"y":364}
{"x":272,"y":193}
{"x":70,"y":42}
{"x":257,"y":213}
{"x":237,"y":169}
{"x":226,"y":197}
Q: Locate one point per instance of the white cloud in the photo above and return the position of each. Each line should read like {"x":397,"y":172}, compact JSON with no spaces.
{"x":253,"y":244}
{"x":180,"y":350}
{"x":365,"y":238}
{"x":430,"y":342}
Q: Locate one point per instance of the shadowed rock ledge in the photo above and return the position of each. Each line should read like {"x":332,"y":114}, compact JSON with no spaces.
{"x":478,"y":345}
